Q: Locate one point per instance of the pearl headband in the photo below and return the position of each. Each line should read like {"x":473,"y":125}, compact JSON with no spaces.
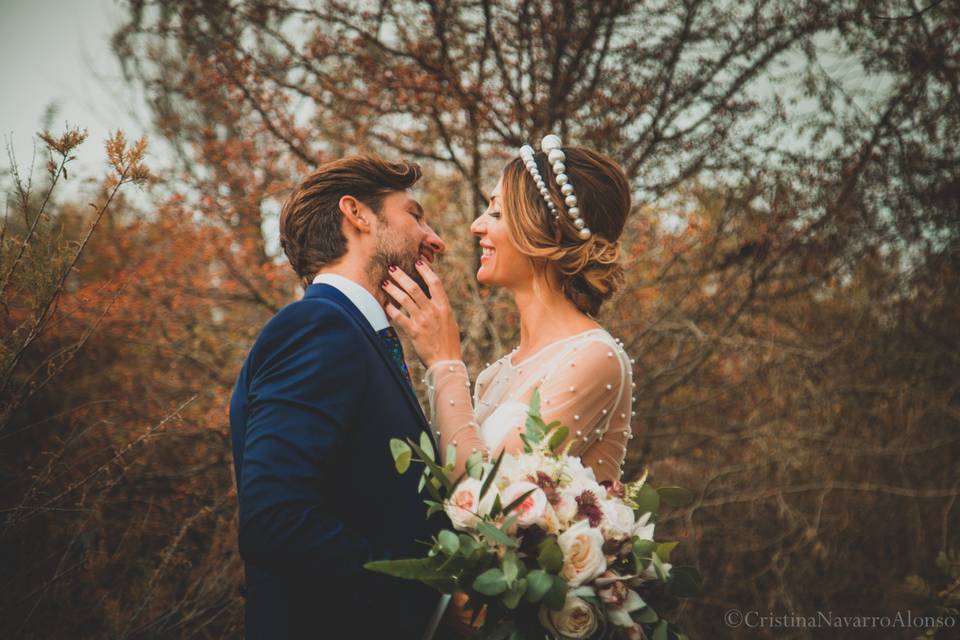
{"x":550,"y":145}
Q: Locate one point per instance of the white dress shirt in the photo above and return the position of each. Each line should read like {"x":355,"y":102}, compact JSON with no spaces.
{"x":359,"y":296}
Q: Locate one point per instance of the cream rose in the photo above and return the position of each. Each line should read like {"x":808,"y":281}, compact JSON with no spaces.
{"x":577,"y":619}
{"x":583,"y":558}
{"x":464,"y":506}
{"x":617,"y":519}
{"x":534,"y":507}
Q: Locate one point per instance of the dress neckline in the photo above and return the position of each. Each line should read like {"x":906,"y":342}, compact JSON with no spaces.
{"x":509,"y":356}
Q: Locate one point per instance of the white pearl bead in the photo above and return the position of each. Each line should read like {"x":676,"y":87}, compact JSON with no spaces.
{"x":556,"y":155}
{"x":562,"y":179}
{"x":454,"y":443}
{"x":576,"y":418}
{"x":604,"y":412}
{"x":574,"y":212}
{"x":623,"y":415}
{"x":609,"y":387}
{"x":584,"y":234}
{"x":572,"y":389}
{"x":570,"y":201}
{"x":579,"y":223}
{"x":566,"y":189}
{"x":550,"y":142}
{"x":559,"y":167}
{"x":579,"y":433}
{"x":452,"y":403}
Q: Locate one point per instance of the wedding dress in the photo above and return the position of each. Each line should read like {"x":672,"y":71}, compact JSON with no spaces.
{"x":585,"y":382}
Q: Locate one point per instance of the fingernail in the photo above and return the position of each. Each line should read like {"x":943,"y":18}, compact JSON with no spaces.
{"x":419,"y":263}
{"x":384,"y":283}
{"x":392,"y":267}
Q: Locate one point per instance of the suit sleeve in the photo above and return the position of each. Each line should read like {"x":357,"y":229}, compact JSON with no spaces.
{"x":301,"y":398}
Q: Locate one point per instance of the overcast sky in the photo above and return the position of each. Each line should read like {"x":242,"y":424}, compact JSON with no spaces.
{"x":58,"y":52}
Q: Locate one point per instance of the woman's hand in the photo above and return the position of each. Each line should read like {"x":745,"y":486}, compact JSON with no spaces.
{"x":459,"y":617}
{"x":428,"y":322}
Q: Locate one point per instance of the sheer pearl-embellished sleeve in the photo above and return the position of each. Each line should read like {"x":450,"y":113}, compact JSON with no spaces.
{"x":589,"y":391}
{"x":451,"y":411}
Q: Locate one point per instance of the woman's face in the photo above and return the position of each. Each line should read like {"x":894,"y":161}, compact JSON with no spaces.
{"x":501,"y":263}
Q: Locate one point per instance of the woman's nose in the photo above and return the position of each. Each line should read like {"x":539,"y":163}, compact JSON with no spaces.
{"x":477,"y":227}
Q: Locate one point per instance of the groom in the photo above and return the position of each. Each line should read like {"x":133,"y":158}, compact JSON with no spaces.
{"x":321,"y":393}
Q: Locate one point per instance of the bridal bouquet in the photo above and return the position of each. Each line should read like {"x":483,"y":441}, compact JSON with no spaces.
{"x":544,"y":547}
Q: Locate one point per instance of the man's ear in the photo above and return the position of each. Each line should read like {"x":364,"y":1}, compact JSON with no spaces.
{"x":355,"y":213}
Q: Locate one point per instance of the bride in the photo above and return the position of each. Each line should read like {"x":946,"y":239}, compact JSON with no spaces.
{"x":550,"y":235}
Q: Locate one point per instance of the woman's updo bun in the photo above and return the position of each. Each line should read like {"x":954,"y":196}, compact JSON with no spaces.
{"x":590,"y":270}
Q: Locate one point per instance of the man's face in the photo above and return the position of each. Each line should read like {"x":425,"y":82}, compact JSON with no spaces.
{"x":403,"y":237}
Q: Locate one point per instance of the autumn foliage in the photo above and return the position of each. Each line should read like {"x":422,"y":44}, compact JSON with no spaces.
{"x":791,"y":298}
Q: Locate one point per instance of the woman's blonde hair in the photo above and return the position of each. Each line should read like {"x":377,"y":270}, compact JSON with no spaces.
{"x":590,"y":270}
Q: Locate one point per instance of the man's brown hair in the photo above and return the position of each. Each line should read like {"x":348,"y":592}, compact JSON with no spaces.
{"x":310,"y":231}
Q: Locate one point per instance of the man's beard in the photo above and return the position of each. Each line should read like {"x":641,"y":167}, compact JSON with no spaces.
{"x":389,"y":254}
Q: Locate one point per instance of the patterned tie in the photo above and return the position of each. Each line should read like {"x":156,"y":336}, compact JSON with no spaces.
{"x":392,"y":342}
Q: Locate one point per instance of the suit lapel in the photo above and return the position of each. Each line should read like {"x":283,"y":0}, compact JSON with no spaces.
{"x":333,"y":294}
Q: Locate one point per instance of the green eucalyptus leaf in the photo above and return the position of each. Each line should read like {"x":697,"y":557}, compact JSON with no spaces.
{"x":491,"y":476}
{"x":511,"y":598}
{"x":658,"y":567}
{"x":490,"y":583}
{"x":510,"y":567}
{"x":401,"y":454}
{"x":538,"y":584}
{"x":496,"y":508}
{"x":474,"y":465}
{"x":427,"y":445}
{"x":433,"y":507}
{"x":451,"y":458}
{"x":495,"y":535}
{"x":558,"y":437}
{"x":647,"y":615}
{"x":660,"y":633}
{"x":648,"y":500}
{"x":675,"y":496}
{"x":435,"y":469}
{"x":534,"y":409}
{"x":664,"y":549}
{"x":550,"y":557}
{"x":557,"y":595}
{"x":448,"y":541}
{"x":516,"y":503}
{"x":467,"y":544}
{"x":412,"y":569}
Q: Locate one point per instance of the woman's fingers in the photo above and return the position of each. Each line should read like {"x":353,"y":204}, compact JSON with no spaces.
{"x":400,"y":296}
{"x":410,"y":287}
{"x":398,"y":318}
{"x":434,"y":284}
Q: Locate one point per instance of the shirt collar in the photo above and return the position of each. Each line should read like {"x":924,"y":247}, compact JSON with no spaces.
{"x":359,"y":296}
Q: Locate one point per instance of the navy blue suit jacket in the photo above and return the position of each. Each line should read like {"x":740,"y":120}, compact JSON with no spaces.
{"x":311,"y":416}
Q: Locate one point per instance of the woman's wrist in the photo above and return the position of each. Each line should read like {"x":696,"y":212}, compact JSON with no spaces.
{"x":443,"y":359}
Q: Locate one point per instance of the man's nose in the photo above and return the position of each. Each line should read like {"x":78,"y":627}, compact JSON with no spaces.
{"x":434,"y":241}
